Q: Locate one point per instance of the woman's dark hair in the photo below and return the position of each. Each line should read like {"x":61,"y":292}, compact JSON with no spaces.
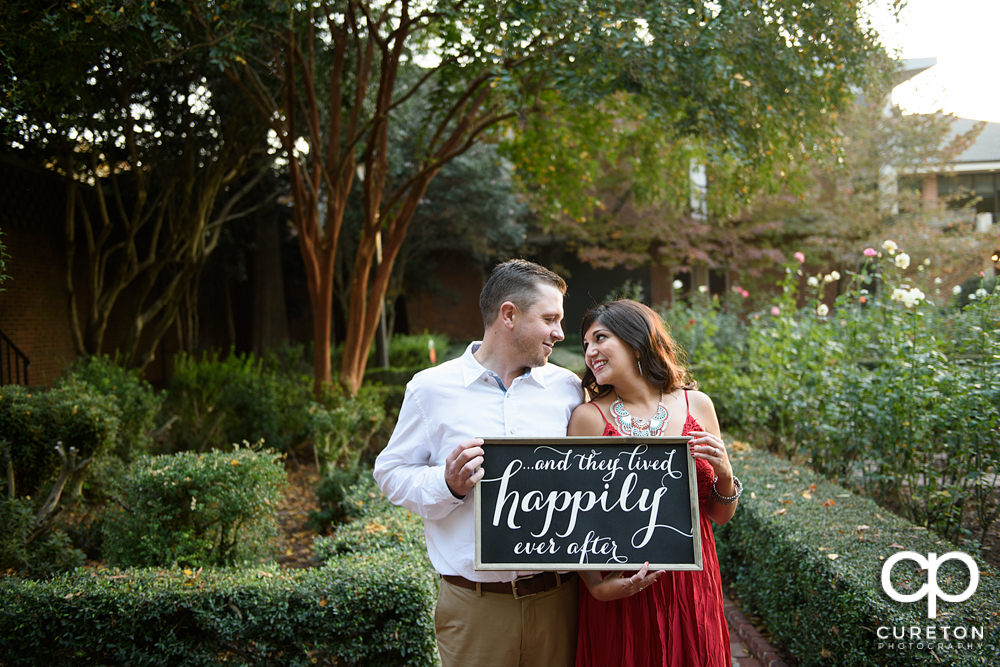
{"x":643,"y":331}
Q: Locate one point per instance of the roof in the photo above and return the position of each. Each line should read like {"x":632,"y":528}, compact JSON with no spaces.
{"x":987,"y":145}
{"x":911,"y":67}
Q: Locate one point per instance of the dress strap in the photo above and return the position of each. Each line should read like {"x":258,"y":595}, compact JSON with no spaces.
{"x":687,"y":402}
{"x":602,"y":413}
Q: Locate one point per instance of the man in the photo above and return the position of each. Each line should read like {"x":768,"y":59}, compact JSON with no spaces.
{"x":501,"y":387}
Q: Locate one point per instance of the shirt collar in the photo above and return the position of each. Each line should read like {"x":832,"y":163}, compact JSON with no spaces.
{"x":472,"y":370}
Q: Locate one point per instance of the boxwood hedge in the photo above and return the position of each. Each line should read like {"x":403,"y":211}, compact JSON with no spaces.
{"x":371,"y":603}
{"x":372,"y":609}
{"x":806,"y":556}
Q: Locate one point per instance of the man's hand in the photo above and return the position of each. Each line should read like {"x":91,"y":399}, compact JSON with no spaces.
{"x":463,"y":469}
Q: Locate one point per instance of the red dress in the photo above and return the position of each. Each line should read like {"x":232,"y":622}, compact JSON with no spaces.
{"x":677,"y":621}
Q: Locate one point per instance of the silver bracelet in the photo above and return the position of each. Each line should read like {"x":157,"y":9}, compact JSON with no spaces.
{"x":727,"y":500}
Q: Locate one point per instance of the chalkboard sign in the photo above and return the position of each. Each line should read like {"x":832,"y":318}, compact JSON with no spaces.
{"x":587,"y":504}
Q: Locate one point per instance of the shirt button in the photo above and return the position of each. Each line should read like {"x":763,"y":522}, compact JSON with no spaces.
{"x":513,"y":430}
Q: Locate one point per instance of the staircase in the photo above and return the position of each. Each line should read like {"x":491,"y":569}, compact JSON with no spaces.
{"x":13,"y":363}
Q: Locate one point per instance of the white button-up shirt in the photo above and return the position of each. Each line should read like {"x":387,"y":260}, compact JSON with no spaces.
{"x":445,"y":406}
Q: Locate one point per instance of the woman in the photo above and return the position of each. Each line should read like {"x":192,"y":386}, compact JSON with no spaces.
{"x":637,"y":387}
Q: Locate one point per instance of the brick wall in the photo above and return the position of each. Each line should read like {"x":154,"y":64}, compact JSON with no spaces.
{"x":33,"y":308}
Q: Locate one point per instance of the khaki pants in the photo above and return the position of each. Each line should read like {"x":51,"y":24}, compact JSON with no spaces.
{"x":496,"y":630}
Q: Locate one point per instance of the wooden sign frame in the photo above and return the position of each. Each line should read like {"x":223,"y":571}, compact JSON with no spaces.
{"x":580,"y":471}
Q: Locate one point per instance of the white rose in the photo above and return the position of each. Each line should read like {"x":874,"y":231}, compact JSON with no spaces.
{"x":912,"y":297}
{"x":702,"y":288}
{"x":902,"y":260}
{"x":828,"y":278}
{"x":822,"y":310}
{"x":813,"y":281}
{"x":956,"y":290}
{"x":899,"y":294}
{"x":889,"y":245}
{"x":981,"y":293}
{"x":938,"y":281}
{"x":927,"y":262}
{"x":678,"y":284}
{"x":972,"y":297}
{"x":836,"y":275}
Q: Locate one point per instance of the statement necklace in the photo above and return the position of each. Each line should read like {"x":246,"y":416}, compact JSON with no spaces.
{"x":634,"y":427}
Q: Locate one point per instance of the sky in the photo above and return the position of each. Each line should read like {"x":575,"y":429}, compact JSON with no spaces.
{"x":963,"y":36}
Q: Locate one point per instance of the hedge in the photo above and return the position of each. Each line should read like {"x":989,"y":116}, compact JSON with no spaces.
{"x":369,"y":610}
{"x":370,"y":604}
{"x":807,"y":558}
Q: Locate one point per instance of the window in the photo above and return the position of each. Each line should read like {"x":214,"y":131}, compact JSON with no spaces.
{"x":961,"y":190}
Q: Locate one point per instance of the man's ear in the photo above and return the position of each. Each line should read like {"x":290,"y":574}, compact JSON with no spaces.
{"x":508,"y":311}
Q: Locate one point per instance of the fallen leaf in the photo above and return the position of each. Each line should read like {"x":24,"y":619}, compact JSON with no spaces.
{"x":753,"y":496}
{"x":829,"y":502}
{"x":781,"y":511}
{"x":833,"y":556}
{"x":786,"y":502}
{"x":322,"y":603}
{"x":896,"y":546}
{"x":373,"y":527}
{"x":807,"y":495}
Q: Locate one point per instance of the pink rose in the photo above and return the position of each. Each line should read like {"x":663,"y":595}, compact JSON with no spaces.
{"x":799,"y":256}
{"x":870,"y":252}
{"x":775,"y":310}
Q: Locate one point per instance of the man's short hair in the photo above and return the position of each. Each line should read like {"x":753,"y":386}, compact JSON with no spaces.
{"x":517,"y":281}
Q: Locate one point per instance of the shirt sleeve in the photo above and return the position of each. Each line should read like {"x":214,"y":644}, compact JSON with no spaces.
{"x":406,"y":472}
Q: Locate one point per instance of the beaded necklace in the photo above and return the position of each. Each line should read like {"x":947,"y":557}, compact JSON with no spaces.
{"x":635,"y":427}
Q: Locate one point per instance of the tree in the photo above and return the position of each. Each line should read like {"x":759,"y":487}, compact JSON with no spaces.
{"x":614,"y":185}
{"x":846,"y":193}
{"x":3,"y":261}
{"x":332,"y":79}
{"x":153,"y":149}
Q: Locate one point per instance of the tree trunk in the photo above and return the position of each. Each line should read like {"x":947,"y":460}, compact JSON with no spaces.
{"x":270,"y":321}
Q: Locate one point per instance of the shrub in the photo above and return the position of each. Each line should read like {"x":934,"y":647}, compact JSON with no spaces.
{"x":405,"y":352}
{"x":195,"y":509}
{"x":136,"y":402}
{"x":867,"y":390}
{"x":343,"y":432}
{"x":33,"y":421}
{"x":372,"y":523}
{"x":27,"y":553}
{"x":807,"y":557}
{"x":414,"y":351}
{"x":219,"y":401}
{"x":34,"y":485}
{"x":370,"y":609}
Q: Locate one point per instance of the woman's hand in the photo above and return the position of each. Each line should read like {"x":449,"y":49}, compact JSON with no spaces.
{"x":616,"y":585}
{"x":705,"y":445}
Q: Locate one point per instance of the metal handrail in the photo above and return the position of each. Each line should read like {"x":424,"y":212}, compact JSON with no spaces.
{"x":12,"y":373}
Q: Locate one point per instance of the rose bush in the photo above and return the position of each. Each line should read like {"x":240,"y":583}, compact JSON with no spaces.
{"x":894,"y":391}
